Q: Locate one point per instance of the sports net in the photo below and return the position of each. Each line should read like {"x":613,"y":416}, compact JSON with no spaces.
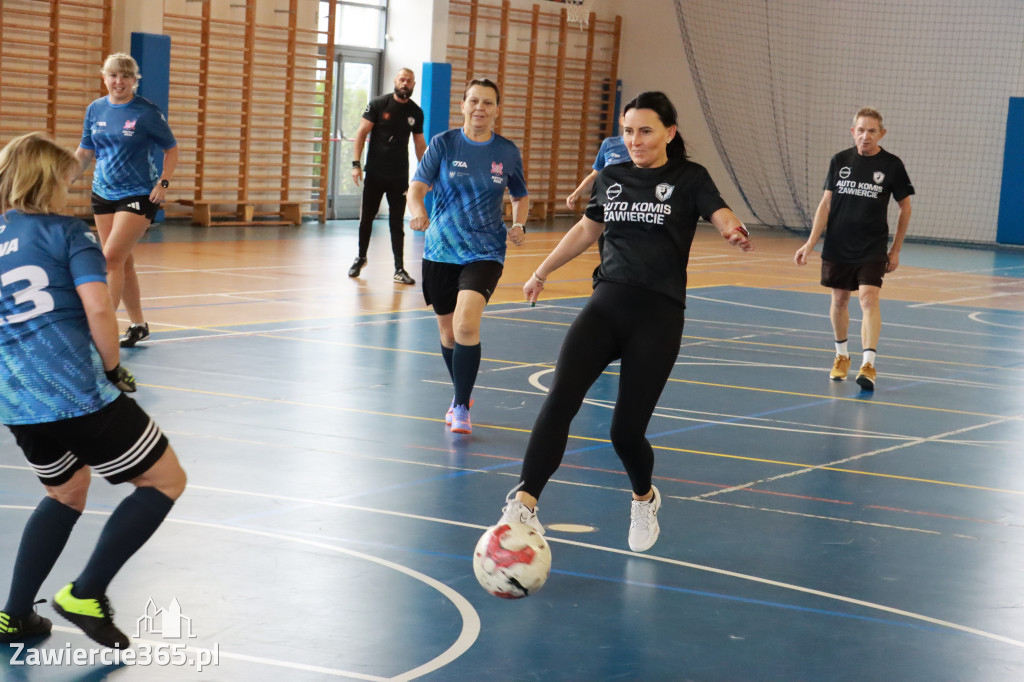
{"x":780,"y":81}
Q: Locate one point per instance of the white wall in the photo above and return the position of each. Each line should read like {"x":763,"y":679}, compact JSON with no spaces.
{"x":652,"y":57}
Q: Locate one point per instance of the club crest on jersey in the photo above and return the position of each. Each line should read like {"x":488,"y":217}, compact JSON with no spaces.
{"x":129,"y":125}
{"x":613,"y":191}
{"x":496,"y":168}
{"x":412,"y":121}
{"x":878,"y":177}
{"x":664,"y":191}
{"x":386,"y":116}
{"x":844,"y":172}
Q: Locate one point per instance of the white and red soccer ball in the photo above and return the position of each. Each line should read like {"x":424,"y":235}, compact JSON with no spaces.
{"x":512,"y":560}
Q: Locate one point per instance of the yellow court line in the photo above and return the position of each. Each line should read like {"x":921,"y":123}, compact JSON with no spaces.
{"x":681,"y":381}
{"x":354,"y":410}
{"x":862,"y":401}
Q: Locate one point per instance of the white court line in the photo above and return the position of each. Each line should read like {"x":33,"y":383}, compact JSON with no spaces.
{"x":470,"y":618}
{"x":975,"y":317}
{"x":943,"y":330}
{"x":964,"y":300}
{"x":601,"y":548}
{"x":863,"y":455}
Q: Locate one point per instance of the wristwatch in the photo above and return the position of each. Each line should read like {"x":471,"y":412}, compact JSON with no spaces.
{"x":165,"y":184}
{"x":356,"y":164}
{"x":520,"y":226}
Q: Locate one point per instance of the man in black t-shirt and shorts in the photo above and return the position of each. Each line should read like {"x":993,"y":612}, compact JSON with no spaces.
{"x":855,"y":258}
{"x":391,"y":118}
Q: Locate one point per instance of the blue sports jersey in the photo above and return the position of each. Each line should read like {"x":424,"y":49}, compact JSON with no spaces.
{"x":469,"y":180}
{"x":613,"y":150}
{"x":49,"y":368}
{"x":125,"y":138}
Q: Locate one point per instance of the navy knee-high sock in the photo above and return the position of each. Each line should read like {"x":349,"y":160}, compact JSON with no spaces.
{"x":447,"y":353}
{"x":465,"y":364}
{"x":132,"y":523}
{"x":42,"y":541}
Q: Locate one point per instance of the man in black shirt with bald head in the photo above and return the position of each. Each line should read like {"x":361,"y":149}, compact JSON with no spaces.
{"x":389,"y":120}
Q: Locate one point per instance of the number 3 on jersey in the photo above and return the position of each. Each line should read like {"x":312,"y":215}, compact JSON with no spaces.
{"x":37,"y":280}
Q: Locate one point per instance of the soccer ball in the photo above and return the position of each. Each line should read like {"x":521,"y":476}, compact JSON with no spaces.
{"x":512,"y":560}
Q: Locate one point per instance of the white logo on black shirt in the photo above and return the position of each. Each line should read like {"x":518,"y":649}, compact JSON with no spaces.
{"x":844,"y":172}
{"x":613,"y":191}
{"x":412,"y":121}
{"x":664,"y":191}
{"x":879,"y":176}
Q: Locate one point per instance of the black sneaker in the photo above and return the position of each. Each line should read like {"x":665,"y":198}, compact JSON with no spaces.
{"x":94,"y":616}
{"x":23,"y":628}
{"x":357,"y":266}
{"x":135,"y":333}
{"x":402,"y":277}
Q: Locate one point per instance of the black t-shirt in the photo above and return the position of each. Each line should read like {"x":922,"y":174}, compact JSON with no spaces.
{"x":858,"y":226}
{"x":650,"y":216}
{"x":393,"y":122}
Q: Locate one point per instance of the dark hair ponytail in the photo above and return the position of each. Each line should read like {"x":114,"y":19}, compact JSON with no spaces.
{"x":660,"y":104}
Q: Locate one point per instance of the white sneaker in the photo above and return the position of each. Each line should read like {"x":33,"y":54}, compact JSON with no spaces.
{"x":515,"y":511}
{"x":643,"y":523}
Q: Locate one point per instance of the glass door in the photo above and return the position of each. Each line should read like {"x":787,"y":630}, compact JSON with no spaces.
{"x":356,"y":79}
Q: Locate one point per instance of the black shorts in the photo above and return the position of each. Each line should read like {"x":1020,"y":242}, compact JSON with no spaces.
{"x":138,"y":204}
{"x":442,"y":282}
{"x":850,"y":276}
{"x":119,"y":441}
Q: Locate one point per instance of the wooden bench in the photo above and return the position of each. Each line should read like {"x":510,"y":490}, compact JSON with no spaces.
{"x":538,"y":211}
{"x":244,"y":213}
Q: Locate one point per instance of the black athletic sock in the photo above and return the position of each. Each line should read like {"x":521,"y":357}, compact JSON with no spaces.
{"x":128,"y":528}
{"x":465,"y":364}
{"x":447,"y":354}
{"x":45,"y":535}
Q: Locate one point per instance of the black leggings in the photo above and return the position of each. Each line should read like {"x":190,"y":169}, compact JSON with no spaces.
{"x":374,"y":189}
{"x":642,"y":328}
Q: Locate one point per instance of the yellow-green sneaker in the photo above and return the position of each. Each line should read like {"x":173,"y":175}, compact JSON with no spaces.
{"x":22,"y":628}
{"x":94,"y":616}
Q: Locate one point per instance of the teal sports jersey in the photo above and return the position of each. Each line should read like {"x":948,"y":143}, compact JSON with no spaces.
{"x":469,"y":180}
{"x":125,"y":138}
{"x":49,"y":368}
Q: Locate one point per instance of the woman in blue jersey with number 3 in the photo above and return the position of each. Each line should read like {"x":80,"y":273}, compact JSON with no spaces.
{"x":464,"y":247}
{"x":122,"y":131}
{"x":60,"y":376}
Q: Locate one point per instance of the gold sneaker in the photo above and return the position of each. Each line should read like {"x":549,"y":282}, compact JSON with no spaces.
{"x":866,"y":376}
{"x":840,"y":368}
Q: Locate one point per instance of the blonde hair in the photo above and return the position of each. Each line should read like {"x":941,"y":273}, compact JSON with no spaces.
{"x":123,"y":64}
{"x":34,"y":174}
{"x":869,"y":112}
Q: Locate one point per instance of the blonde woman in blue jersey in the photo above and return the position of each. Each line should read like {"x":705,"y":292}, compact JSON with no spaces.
{"x":61,"y":386}
{"x":123,"y":131}
{"x":469,"y":169}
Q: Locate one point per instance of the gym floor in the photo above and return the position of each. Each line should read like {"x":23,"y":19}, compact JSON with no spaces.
{"x":810,"y":531}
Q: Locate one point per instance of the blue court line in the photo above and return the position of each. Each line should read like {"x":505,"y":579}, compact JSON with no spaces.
{"x":679,"y":590}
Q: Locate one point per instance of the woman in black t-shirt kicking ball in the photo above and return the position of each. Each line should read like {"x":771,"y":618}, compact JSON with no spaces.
{"x":648,"y":212}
